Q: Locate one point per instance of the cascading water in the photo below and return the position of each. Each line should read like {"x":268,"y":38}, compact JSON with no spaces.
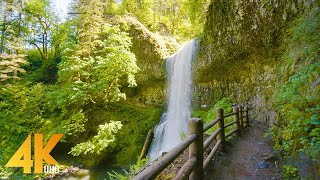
{"x":174,"y":123}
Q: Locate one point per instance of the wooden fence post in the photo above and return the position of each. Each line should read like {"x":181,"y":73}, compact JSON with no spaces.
{"x":196,"y":148}
{"x":241,"y":116}
{"x":247,"y":116}
{"x":236,"y":119}
{"x":222,"y":135}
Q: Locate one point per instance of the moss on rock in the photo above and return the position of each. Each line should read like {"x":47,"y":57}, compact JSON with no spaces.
{"x":151,"y":50}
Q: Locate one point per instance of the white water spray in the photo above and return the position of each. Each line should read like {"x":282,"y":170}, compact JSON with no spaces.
{"x":174,"y":124}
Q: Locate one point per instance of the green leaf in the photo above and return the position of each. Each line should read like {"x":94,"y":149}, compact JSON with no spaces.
{"x":315,"y":132}
{"x":315,"y":119}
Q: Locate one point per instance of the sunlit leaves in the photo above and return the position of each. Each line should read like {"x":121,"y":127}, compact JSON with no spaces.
{"x":105,"y":136}
{"x":100,"y":75}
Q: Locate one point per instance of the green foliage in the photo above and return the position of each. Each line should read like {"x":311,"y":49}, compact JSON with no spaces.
{"x":34,"y":59}
{"x":77,"y":97}
{"x":183,"y":135}
{"x":98,"y":66}
{"x":22,"y":113}
{"x":87,"y":81}
{"x":11,"y":62}
{"x":137,"y":121}
{"x":40,"y":20}
{"x":40,"y":71}
{"x":99,"y":142}
{"x":133,"y":170}
{"x":297,"y":103}
{"x":211,"y":114}
{"x":30,"y":24}
{"x":290,"y":172}
{"x":22,"y":109}
{"x":183,"y":18}
{"x":12,"y":52}
{"x":99,"y":76}
{"x":224,"y":103}
{"x":297,"y":98}
{"x":92,"y":74}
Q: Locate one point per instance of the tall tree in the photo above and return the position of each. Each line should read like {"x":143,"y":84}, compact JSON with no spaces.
{"x":11,"y":46}
{"x":11,"y":61}
{"x":41,"y":21}
{"x":3,"y":13}
{"x":91,"y":20}
{"x":101,"y":59}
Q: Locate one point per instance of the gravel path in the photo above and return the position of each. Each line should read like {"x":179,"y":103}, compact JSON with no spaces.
{"x":249,"y":157}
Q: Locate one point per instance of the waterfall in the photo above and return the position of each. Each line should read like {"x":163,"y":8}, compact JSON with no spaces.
{"x":173,"y":124}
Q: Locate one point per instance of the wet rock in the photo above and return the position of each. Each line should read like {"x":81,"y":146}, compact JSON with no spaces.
{"x":252,"y":158}
{"x":64,"y":173}
{"x":75,"y":169}
{"x":263,"y":165}
{"x":82,"y":173}
{"x":271,"y":157}
{"x":207,"y":151}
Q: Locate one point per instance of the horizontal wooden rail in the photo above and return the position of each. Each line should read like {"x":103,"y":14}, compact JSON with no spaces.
{"x":186,"y":169}
{"x":157,"y":167}
{"x":213,"y":151}
{"x":230,"y":133}
{"x":211,"y":138}
{"x":209,"y":125}
{"x":193,"y":169}
{"x":232,"y":123}
{"x":228,"y":115}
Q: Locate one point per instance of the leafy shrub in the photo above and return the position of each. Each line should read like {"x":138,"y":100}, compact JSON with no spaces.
{"x":133,"y":170}
{"x":22,"y":113}
{"x":99,"y":142}
{"x":290,"y":172}
{"x":211,"y":114}
{"x":297,"y":97}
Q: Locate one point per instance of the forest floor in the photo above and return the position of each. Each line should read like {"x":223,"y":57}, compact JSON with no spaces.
{"x":247,"y":157}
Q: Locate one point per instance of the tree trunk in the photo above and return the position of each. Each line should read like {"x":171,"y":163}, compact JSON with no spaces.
{"x":3,"y":30}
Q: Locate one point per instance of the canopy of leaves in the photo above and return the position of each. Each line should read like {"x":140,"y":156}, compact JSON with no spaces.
{"x":181,"y":18}
{"x":100,"y":75}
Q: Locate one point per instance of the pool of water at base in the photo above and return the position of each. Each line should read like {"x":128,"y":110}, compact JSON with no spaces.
{"x":96,"y":173}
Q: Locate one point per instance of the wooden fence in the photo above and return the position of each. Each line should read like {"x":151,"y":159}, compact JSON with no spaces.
{"x":194,"y":167}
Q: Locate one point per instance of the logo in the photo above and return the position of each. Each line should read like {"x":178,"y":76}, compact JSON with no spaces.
{"x":22,"y":157}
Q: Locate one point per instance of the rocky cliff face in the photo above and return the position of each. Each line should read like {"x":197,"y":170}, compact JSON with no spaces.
{"x":240,"y":48}
{"x":151,"y":50}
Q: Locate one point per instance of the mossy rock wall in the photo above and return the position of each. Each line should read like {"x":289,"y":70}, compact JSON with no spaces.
{"x":151,"y":50}
{"x":241,"y":42}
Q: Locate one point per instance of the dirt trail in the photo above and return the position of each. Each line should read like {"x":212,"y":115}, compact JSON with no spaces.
{"x":249,"y":157}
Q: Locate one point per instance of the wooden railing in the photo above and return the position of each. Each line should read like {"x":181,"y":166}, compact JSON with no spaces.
{"x":195,"y":165}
